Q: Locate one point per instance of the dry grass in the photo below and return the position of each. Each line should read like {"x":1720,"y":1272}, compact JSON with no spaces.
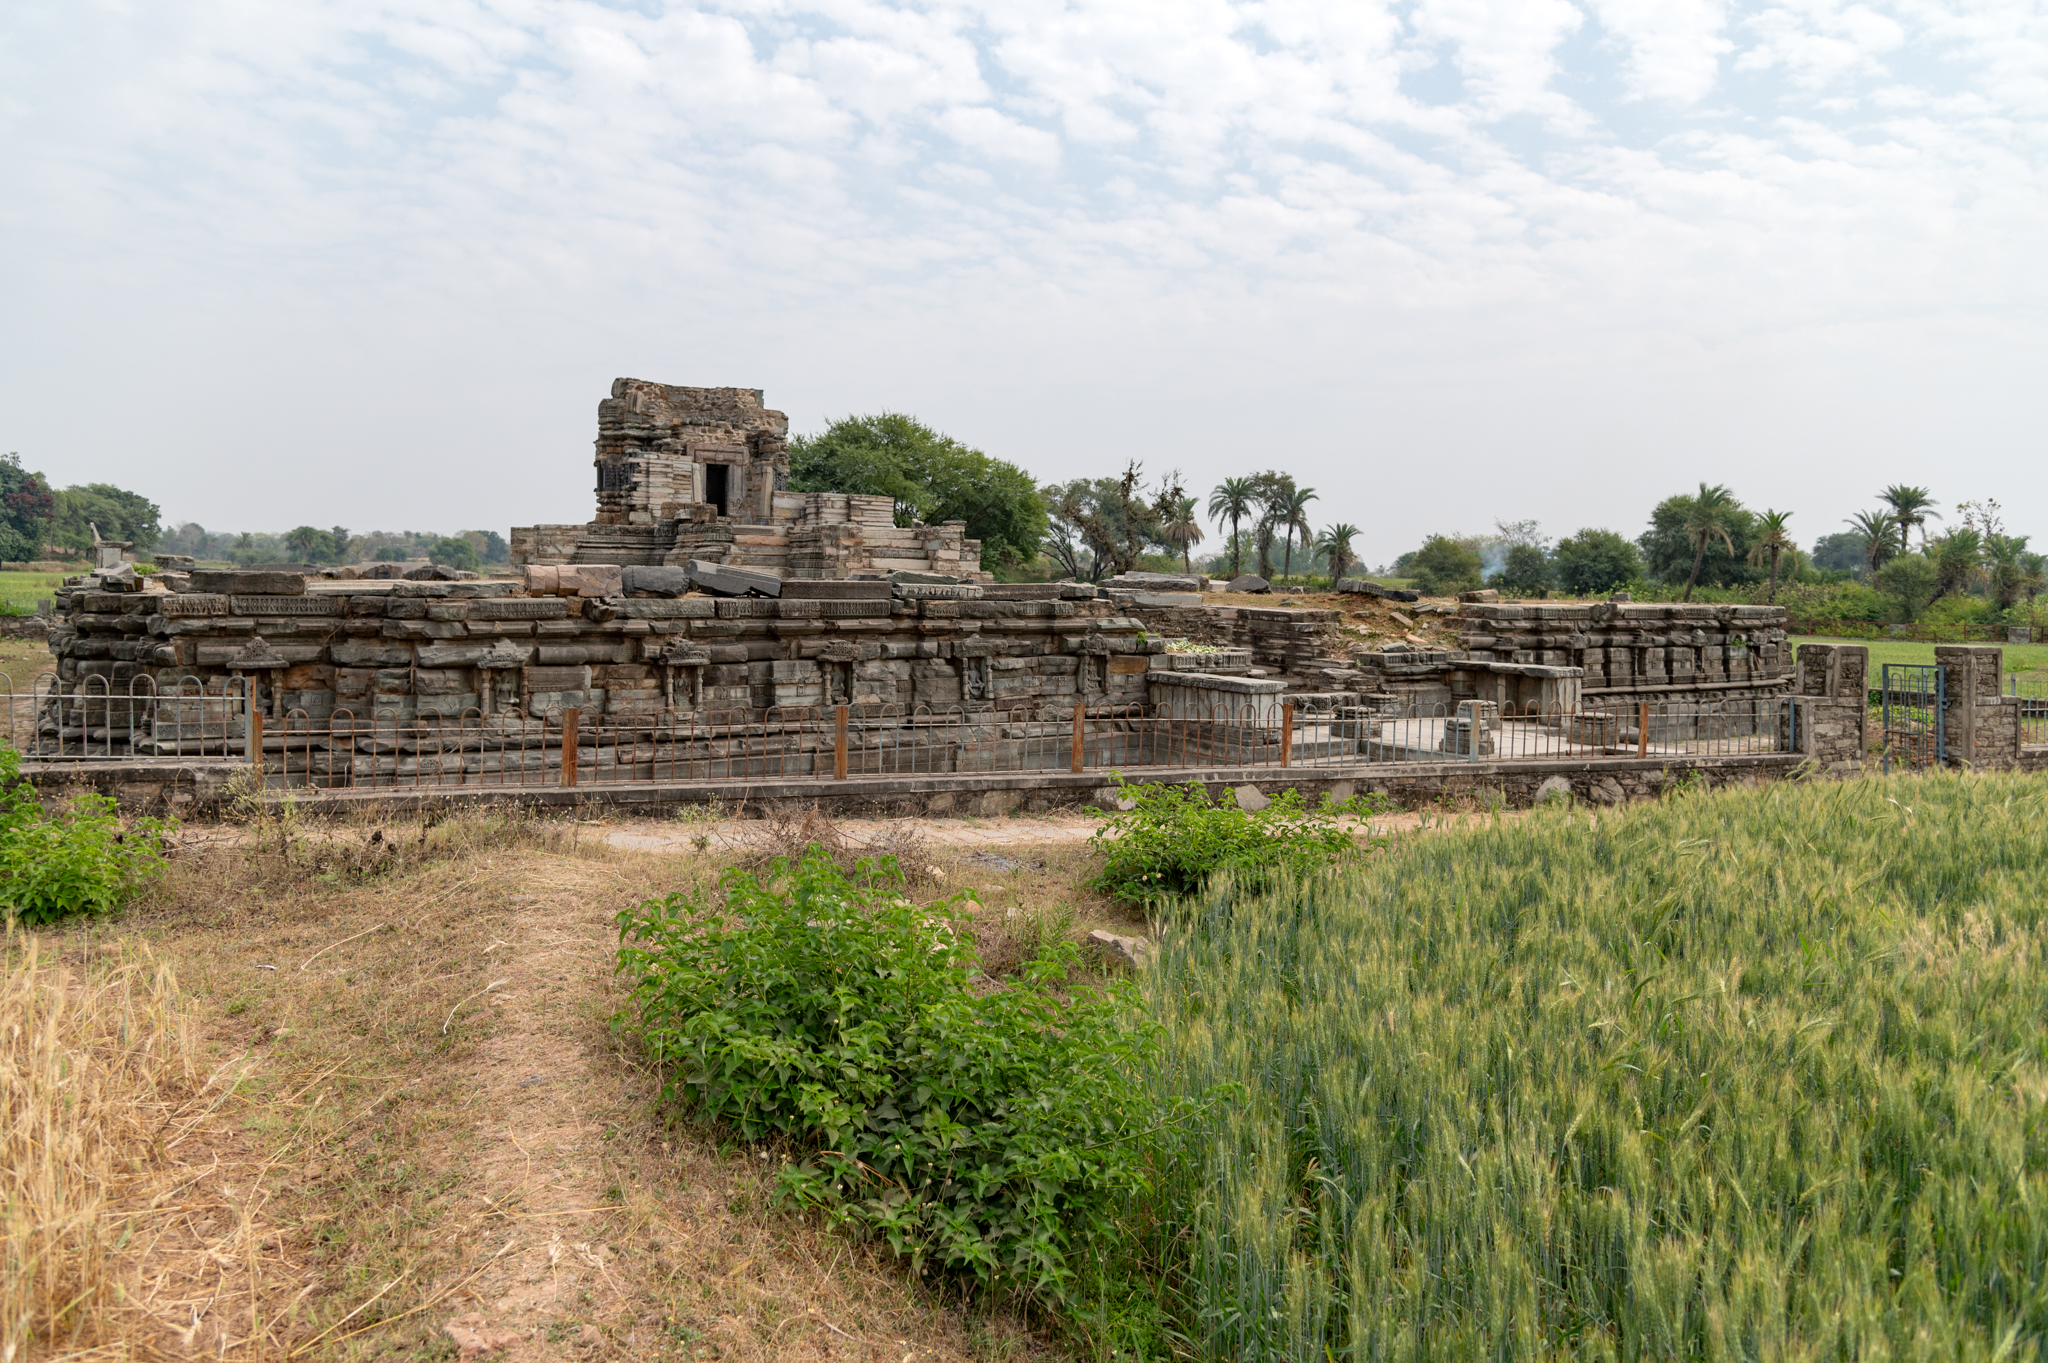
{"x":97,"y":1091}
{"x":419,"y":1113}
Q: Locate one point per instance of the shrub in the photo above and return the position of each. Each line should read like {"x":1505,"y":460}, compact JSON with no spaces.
{"x":981,"y":1131}
{"x":1174,"y":838}
{"x":1595,"y":562}
{"x":1444,"y":566}
{"x":78,"y":860}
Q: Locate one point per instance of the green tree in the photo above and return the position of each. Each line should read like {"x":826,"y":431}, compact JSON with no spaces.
{"x":1334,"y":544}
{"x":119,"y":514}
{"x":1696,"y":544}
{"x":1841,"y":552}
{"x":490,"y":545}
{"x":1910,"y":506}
{"x":1181,"y":526}
{"x":27,"y":510}
{"x":2006,"y":568}
{"x":1884,"y":539}
{"x":1525,"y":571}
{"x":1291,"y":514}
{"x":1100,"y":526}
{"x":1910,"y":580}
{"x":931,"y":476}
{"x":1444,"y":566}
{"x":1593,"y":562}
{"x":1233,"y":500}
{"x":1275,"y":491}
{"x":309,"y":544}
{"x":452,"y":551}
{"x":1958,"y":560}
{"x":1773,"y":542}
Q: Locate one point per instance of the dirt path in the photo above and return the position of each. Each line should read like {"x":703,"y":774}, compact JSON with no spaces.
{"x":677,"y":837}
{"x":604,"y":1235}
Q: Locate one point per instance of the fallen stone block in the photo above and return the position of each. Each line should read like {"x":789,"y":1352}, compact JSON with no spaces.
{"x":1365,"y":586}
{"x":248,"y":582}
{"x":1251,"y":799}
{"x":654,"y":581}
{"x":721,"y":579}
{"x":1131,"y":951}
{"x":1250,"y":582}
{"x":1156,"y":582}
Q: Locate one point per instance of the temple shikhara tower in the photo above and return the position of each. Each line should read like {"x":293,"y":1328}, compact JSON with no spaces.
{"x":702,"y":474}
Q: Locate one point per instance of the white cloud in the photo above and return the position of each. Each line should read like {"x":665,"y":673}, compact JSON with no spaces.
{"x":416,"y":239}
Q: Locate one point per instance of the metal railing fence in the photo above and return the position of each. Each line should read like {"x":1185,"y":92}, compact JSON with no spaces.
{"x":396,"y":745}
{"x":92,"y":718}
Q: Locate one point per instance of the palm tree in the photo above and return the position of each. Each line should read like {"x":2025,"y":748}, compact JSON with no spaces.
{"x":1335,"y":544}
{"x":1911,"y":506}
{"x":1883,"y":537}
{"x":1773,"y":542}
{"x":1706,"y":520}
{"x":2005,"y":560}
{"x":1183,"y":528}
{"x":1292,"y":515}
{"x":1232,"y":501}
{"x":1958,"y":560}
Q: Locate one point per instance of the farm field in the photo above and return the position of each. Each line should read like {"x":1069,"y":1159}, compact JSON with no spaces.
{"x":1750,"y":1074}
{"x":20,"y":591}
{"x":2028,"y":662}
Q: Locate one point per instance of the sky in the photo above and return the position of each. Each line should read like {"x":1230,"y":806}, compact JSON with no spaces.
{"x":1449,"y":262}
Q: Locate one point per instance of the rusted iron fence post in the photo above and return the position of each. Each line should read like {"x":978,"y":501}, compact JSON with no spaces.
{"x":569,"y":718}
{"x":1643,"y":729}
{"x":255,"y":743}
{"x":1080,"y":718}
{"x":839,"y":743}
{"x":1286,"y":733}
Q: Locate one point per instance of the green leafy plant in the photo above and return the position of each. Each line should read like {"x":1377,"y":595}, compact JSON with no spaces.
{"x":1173,"y":838}
{"x":80,"y":859}
{"x":978,"y":1130}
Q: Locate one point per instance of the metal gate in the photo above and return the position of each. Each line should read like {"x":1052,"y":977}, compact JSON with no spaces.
{"x":1915,"y":706}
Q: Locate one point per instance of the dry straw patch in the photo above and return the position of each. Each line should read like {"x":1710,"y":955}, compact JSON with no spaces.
{"x":98,"y":1092}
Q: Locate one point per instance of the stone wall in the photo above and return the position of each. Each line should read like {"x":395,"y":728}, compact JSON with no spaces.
{"x":404,"y":650}
{"x":1624,"y":647}
{"x":1983,"y":725}
{"x":1832,"y":685}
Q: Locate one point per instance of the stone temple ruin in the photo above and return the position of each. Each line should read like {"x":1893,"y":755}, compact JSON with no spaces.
{"x":707,"y":615}
{"x":701,"y":475}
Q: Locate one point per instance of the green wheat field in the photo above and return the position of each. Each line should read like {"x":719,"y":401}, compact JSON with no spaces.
{"x":1742,"y":1075}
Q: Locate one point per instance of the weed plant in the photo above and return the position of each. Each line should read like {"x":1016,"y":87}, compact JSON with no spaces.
{"x":1174,"y":838}
{"x":1738,"y":1075}
{"x":76,"y":859}
{"x":976,"y":1129}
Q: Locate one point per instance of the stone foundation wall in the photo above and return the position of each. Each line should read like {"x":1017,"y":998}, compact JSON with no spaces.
{"x":403,"y":650}
{"x":1626,"y":647}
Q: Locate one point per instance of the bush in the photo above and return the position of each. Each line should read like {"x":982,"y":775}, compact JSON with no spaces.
{"x":451,"y":552}
{"x":1910,"y":580}
{"x":78,"y":861}
{"x":1444,"y":566}
{"x":1174,"y":839}
{"x":825,"y":1010}
{"x":1595,"y":562}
